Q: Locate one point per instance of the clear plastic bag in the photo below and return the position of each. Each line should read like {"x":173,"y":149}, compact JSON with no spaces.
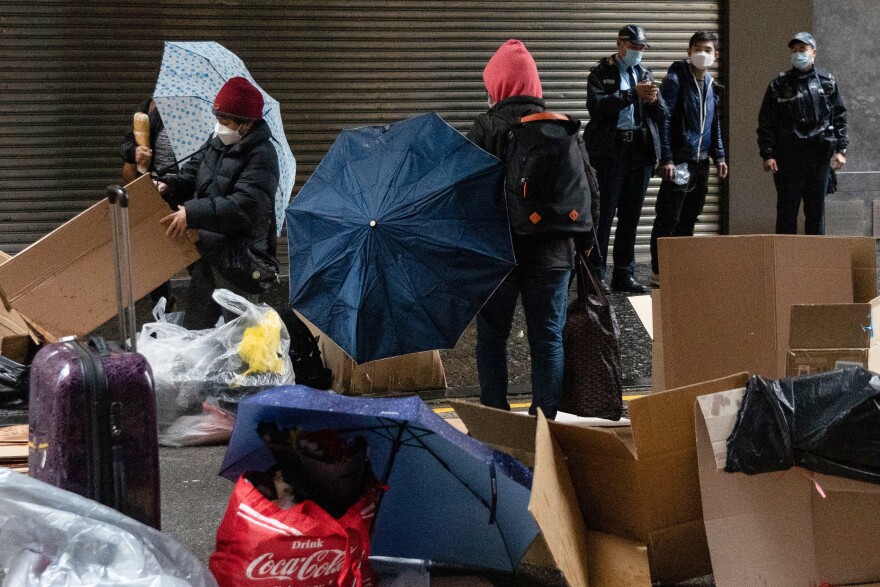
{"x":243,"y":355}
{"x":160,"y":313}
{"x":54,"y":538}
{"x":681,"y":174}
{"x":213,"y":426}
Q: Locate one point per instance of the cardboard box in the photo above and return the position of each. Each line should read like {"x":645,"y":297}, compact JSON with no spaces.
{"x":65,"y":283}
{"x":774,"y":528}
{"x":830,"y":336}
{"x":726,"y":300}
{"x":413,"y":372}
{"x":658,"y":369}
{"x":639,"y":483}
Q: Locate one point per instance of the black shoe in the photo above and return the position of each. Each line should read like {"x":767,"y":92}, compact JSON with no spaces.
{"x":628,"y":285}
{"x":605,"y":289}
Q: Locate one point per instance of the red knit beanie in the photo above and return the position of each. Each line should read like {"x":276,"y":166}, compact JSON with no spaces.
{"x":238,"y":98}
{"x":512,"y":72}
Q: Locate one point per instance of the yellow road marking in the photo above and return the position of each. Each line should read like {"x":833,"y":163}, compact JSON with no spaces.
{"x":447,"y":410}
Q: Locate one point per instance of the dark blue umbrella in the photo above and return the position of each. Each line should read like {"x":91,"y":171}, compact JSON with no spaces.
{"x":450,"y":499}
{"x":398,"y":238}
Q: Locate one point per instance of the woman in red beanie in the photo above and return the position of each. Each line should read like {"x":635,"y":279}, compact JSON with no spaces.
{"x":544,"y":263}
{"x":227,"y":191}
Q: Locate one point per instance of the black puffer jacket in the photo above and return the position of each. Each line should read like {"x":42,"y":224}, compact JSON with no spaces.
{"x":231,"y":190}
{"x":489,"y":132}
{"x":605,"y":100}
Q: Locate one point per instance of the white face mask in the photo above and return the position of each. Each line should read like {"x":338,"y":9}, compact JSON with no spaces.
{"x":702,"y":60}
{"x":225,"y":134}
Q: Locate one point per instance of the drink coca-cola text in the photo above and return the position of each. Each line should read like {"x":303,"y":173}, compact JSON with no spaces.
{"x":321,"y":563}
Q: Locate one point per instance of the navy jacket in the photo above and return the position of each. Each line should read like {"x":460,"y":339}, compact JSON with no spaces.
{"x":801,"y":106}
{"x":605,"y":100}
{"x":231,"y":190}
{"x":680,"y":136}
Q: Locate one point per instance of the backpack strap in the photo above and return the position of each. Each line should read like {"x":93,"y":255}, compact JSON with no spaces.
{"x":570,"y":123}
{"x":543,"y":116}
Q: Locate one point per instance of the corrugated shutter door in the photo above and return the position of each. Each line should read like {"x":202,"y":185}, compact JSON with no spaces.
{"x":74,"y":72}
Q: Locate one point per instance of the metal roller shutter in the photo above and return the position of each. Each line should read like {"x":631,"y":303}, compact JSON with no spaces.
{"x":74,"y":72}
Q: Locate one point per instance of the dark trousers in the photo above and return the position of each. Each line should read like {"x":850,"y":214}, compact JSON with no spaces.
{"x":804,"y":171}
{"x":623,"y":181}
{"x":545,"y":301}
{"x":201,"y":309}
{"x":678,"y":207}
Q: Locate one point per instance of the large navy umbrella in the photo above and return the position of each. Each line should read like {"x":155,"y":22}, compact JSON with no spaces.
{"x":398,"y":238}
{"x":450,"y":499}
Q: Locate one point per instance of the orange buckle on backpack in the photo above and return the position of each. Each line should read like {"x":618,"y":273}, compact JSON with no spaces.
{"x":535,"y":218}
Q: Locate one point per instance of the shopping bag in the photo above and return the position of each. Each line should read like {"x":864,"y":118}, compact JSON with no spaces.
{"x":592,"y":379}
{"x":302,"y":546}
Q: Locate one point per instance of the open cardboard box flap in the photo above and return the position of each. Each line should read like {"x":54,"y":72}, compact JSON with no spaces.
{"x":15,"y":334}
{"x":65,"y":283}
{"x":413,"y":372}
{"x":775,"y":528}
{"x":640,"y":483}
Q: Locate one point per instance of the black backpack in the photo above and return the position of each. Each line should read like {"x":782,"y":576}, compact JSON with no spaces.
{"x":548,"y":180}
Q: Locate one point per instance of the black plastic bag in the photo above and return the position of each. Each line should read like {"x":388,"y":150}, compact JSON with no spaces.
{"x":826,"y":422}
{"x":308,"y":366}
{"x":14,"y":379}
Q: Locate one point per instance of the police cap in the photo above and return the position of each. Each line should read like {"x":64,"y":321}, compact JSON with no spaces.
{"x":634,"y":34}
{"x":803,"y":37}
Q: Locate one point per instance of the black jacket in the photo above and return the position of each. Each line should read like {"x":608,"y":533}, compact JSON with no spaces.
{"x":489,"y":132}
{"x":605,"y":100}
{"x":680,"y":136}
{"x":801,"y":105}
{"x":231,"y":190}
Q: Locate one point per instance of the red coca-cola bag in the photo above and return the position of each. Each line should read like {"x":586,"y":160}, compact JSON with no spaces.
{"x":259,"y":543}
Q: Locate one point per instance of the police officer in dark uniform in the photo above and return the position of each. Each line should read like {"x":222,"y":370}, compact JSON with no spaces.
{"x":624,"y":146}
{"x":802,"y":136}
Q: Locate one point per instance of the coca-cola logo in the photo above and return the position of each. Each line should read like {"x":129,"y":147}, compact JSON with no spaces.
{"x":321,"y":563}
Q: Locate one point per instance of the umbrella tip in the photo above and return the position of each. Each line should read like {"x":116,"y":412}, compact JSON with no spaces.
{"x":373,"y":223}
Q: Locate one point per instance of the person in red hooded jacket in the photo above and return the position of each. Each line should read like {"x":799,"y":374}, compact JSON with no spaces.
{"x":544,"y":263}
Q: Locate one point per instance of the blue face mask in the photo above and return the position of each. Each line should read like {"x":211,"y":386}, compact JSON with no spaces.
{"x":801,"y":60}
{"x":632,"y":57}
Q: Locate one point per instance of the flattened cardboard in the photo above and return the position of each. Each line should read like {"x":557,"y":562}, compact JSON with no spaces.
{"x":643,"y":306}
{"x":413,"y":372}
{"x":65,"y":283}
{"x":726,"y":300}
{"x":775,"y":528}
{"x":639,"y":483}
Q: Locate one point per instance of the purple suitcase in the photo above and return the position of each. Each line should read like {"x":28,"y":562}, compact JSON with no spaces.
{"x":93,"y":409}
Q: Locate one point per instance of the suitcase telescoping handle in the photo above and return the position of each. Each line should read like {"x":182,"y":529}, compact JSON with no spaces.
{"x":117,"y":198}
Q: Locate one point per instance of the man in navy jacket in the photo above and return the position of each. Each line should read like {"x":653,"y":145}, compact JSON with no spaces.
{"x":688,"y":138}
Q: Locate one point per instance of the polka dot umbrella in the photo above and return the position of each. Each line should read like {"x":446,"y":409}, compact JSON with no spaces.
{"x":191,"y":75}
